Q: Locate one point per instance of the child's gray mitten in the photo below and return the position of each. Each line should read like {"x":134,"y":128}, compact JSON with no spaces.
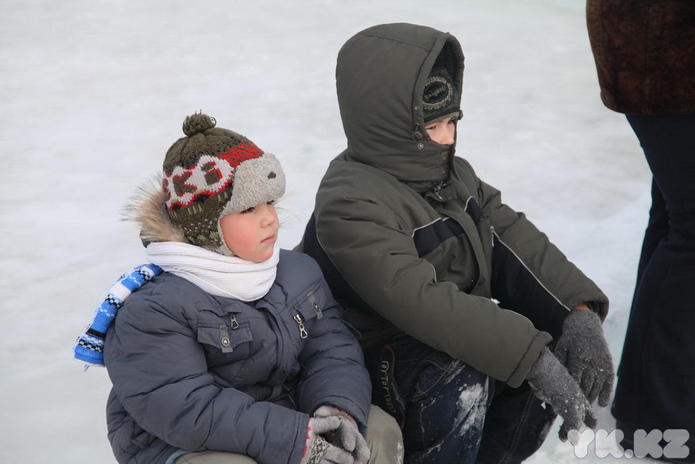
{"x":347,"y":436}
{"x":317,"y":450}
{"x":553,"y":384}
{"x":582,"y":348}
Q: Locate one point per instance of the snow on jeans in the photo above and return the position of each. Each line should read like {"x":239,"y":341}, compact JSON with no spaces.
{"x":449,"y":411}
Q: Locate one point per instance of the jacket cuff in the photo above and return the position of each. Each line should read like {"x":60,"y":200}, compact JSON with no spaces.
{"x":534,"y":350}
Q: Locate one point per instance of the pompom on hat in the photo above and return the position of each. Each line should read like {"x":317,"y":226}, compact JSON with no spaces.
{"x":213,"y":172}
{"x":440,"y":97}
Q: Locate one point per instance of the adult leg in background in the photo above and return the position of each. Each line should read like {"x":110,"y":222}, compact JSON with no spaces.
{"x":656,"y":377}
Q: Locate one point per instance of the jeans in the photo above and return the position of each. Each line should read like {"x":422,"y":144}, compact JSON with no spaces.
{"x":451,"y":412}
{"x":656,"y":377}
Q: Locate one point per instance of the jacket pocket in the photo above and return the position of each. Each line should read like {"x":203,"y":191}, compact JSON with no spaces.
{"x":224,"y":328}
{"x":313,"y":304}
{"x":224,"y":337}
{"x":308,"y":310}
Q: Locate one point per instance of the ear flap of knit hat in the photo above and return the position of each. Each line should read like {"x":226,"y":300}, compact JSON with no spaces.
{"x":212,"y":172}
{"x":440,"y":97}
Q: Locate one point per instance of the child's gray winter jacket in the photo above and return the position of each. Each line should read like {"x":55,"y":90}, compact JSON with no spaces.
{"x":194,"y":371}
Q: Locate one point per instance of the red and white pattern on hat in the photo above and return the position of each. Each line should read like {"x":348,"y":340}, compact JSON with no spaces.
{"x":208,"y":177}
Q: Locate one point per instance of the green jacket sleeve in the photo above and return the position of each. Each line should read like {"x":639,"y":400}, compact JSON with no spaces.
{"x":525,"y":257}
{"x":366,"y":242}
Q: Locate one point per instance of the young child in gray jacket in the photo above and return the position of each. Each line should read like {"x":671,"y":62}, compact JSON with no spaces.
{"x":225,"y":348}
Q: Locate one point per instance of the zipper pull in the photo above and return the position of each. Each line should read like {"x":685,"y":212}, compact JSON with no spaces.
{"x":235,"y":323}
{"x":437,"y":188}
{"x":302,"y":330}
{"x":317,"y":308}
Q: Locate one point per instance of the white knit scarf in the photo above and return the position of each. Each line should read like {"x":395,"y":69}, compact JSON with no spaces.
{"x":219,"y":275}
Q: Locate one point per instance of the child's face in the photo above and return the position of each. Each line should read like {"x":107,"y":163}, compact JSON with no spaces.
{"x":443,"y":131}
{"x":251,"y":234}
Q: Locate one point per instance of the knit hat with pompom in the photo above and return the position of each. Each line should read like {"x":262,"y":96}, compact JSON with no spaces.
{"x":213,"y":172}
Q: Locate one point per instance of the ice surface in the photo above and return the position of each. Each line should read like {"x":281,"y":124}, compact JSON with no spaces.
{"x":94,"y":92}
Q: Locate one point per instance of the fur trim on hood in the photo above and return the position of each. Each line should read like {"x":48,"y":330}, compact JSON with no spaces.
{"x":147,"y":209}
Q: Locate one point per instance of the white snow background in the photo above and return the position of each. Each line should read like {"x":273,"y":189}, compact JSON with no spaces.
{"x":94,"y":92}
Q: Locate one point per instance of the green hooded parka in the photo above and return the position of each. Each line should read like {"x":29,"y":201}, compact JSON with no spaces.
{"x":412,"y":241}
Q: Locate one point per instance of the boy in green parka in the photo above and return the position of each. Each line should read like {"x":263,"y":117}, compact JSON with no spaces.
{"x":477,"y":330}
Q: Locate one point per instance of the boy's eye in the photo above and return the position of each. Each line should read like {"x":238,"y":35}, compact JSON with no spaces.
{"x":248,"y":210}
{"x":271,"y":202}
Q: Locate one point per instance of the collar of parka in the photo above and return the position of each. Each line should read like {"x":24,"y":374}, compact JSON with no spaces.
{"x":380,"y":75}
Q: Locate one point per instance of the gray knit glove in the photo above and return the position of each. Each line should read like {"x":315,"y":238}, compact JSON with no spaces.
{"x":317,"y":450}
{"x":582,"y":348}
{"x":347,"y":436}
{"x":553,"y":384}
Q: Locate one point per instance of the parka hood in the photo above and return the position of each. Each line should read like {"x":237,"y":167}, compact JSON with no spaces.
{"x":381,"y":74}
{"x":148,"y":210}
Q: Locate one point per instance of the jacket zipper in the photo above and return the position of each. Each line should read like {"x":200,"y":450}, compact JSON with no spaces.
{"x":280,"y":327}
{"x":437,"y":188}
{"x":300,"y":323}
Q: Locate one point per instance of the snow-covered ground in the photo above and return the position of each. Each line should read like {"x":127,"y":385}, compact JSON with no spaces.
{"x":93,"y":93}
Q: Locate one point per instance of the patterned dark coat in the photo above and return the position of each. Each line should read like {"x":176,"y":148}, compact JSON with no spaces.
{"x":645,"y":54}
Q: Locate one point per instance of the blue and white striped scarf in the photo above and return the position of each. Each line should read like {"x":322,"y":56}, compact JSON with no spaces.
{"x":90,"y":345}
